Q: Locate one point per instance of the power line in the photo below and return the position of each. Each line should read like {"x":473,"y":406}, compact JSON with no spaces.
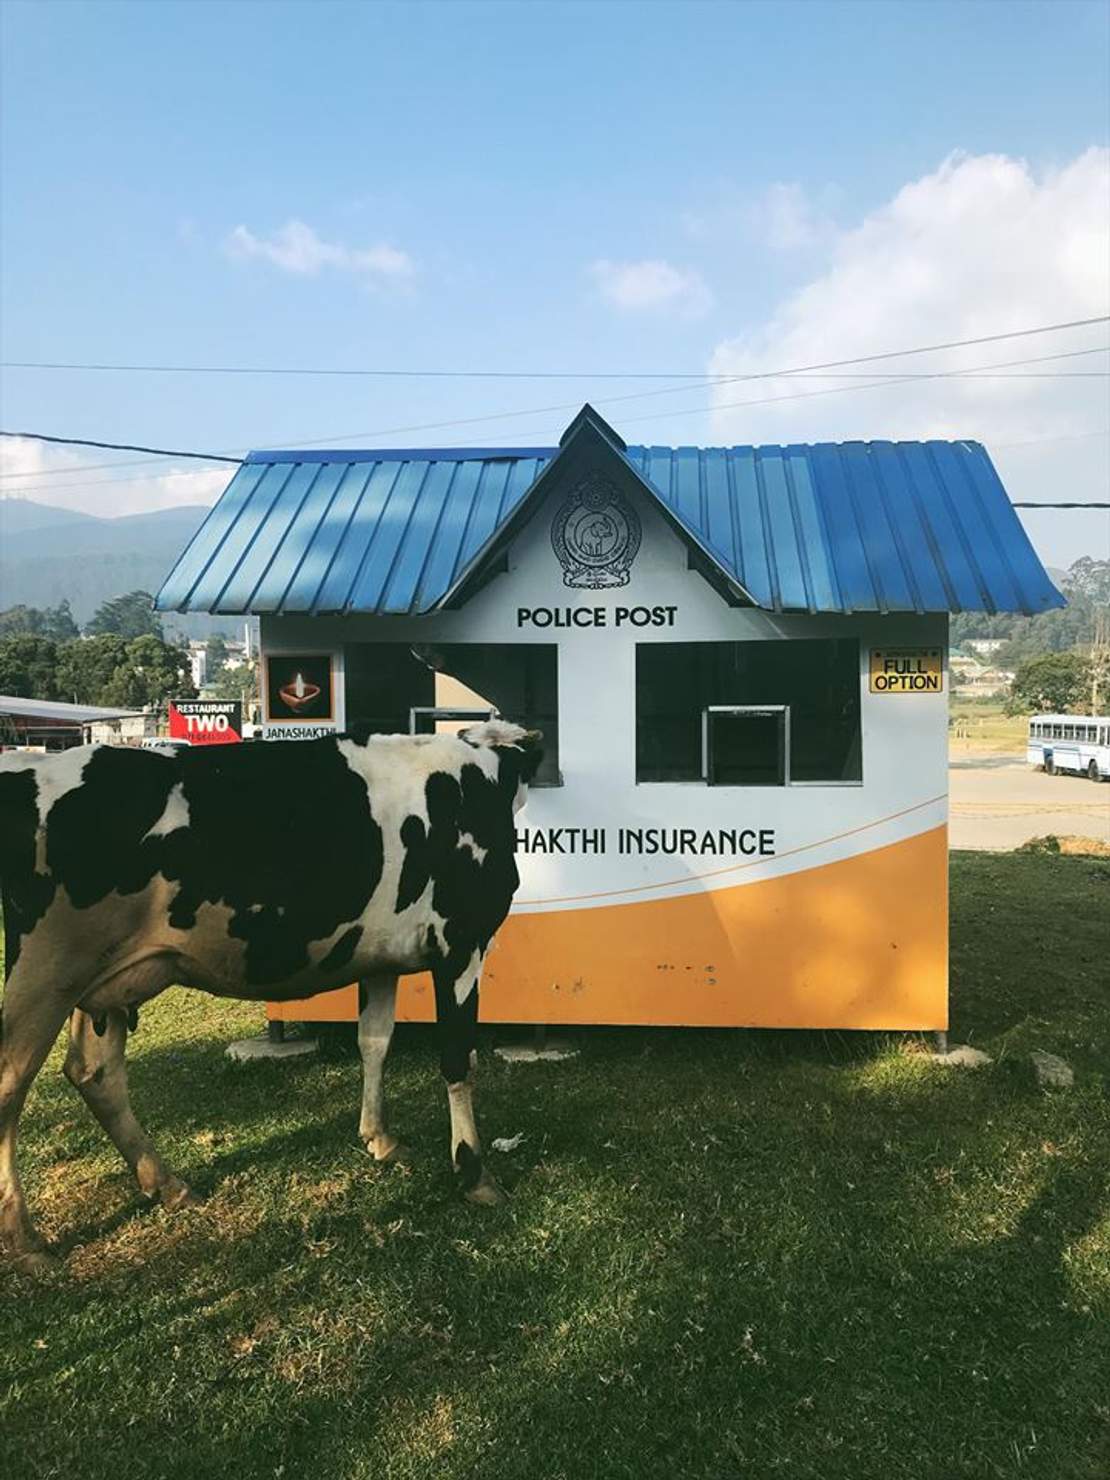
{"x":163,"y":452}
{"x":432,"y":426}
{"x":1060,"y":506}
{"x":971,"y":372}
{"x":526,"y":374}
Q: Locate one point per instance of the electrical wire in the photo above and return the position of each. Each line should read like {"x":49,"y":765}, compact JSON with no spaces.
{"x":163,"y":452}
{"x":525,"y":374}
{"x":972,"y":372}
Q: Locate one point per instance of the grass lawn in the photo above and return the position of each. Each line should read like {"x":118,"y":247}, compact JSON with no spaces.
{"x":986,"y":728}
{"x":749,"y":1254}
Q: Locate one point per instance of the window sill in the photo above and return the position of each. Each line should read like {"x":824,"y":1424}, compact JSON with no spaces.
{"x":756,"y":785}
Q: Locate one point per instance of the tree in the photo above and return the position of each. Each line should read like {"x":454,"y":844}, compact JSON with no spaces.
{"x":215,"y":650}
{"x":28,"y":667}
{"x":151,"y":673}
{"x":1054,"y":683}
{"x":127,"y":616}
{"x":1091,"y":578}
{"x":85,"y":667}
{"x":55,"y":622}
{"x":235,"y":681}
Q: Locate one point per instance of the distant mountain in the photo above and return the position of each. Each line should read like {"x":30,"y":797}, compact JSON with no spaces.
{"x":18,"y":515}
{"x":166,"y":532}
{"x":48,"y":555}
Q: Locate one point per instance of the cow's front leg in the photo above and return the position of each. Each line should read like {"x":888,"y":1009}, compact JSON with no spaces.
{"x":32,"y":1015}
{"x":377,"y":1003}
{"x":94,"y":1065}
{"x":457,"y":1022}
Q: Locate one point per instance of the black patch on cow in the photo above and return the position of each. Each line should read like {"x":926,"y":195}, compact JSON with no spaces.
{"x":343,"y":950}
{"x":100,"y":1024}
{"x":26,"y":893}
{"x":282,"y":835}
{"x":415,"y":864}
{"x":456,"y":1025}
{"x":472,"y":897}
{"x":469,"y":1165}
{"x":96,"y":842}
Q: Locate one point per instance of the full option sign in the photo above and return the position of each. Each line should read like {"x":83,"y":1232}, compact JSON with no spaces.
{"x":907,"y":670}
{"x":207,"y":721}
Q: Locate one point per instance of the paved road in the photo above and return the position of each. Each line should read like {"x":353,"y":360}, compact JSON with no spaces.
{"x":997,"y":801}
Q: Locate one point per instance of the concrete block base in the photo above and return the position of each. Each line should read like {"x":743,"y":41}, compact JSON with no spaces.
{"x":551,"y":1051}
{"x":244,"y":1049}
{"x":962,"y":1056}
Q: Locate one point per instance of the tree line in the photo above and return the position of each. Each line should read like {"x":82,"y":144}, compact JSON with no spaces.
{"x":122,"y":661}
{"x":1086,"y":584}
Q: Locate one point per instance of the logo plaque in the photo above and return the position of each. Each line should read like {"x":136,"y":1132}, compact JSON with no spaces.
{"x":596,"y":535}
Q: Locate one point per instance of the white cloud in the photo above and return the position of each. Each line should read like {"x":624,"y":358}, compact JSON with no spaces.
{"x":980,"y":246}
{"x":983,"y":245}
{"x":650,"y":284}
{"x":66,"y":479}
{"x":297,"y":248}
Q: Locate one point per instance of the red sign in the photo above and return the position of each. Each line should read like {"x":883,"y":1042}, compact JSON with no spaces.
{"x":207,"y":721}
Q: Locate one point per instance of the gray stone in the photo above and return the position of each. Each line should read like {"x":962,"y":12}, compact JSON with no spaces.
{"x":244,"y":1049}
{"x":1052,"y":1071}
{"x":962,"y":1056}
{"x":526,"y":1053}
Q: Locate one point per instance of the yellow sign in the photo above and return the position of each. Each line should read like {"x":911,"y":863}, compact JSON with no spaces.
{"x":916,"y":670}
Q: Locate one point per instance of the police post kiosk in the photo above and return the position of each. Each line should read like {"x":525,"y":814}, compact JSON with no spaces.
{"x":737,"y":656}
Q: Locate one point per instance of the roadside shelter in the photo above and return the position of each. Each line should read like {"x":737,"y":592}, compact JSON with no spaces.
{"x":49,"y":724}
{"x":738,"y":656}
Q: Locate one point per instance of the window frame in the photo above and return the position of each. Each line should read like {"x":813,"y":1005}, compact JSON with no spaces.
{"x":860,"y":691}
{"x":782,"y":710}
{"x":447,"y":712}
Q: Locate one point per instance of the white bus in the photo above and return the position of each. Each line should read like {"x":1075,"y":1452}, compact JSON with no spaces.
{"x":1077,"y":743}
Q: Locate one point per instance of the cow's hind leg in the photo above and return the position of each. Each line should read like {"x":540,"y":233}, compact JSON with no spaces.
{"x":28,"y":1027}
{"x":377,"y":997}
{"x":457,"y":1022}
{"x":95,"y":1065}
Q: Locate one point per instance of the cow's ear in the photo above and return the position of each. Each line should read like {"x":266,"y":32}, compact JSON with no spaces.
{"x":520,"y":762}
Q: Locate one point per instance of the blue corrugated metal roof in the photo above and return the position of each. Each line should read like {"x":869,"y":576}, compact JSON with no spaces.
{"x":830,"y":527}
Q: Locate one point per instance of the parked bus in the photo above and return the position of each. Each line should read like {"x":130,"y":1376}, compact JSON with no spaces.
{"x":1077,"y":743}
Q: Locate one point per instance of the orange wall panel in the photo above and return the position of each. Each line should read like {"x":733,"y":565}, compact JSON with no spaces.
{"x":862,"y":943}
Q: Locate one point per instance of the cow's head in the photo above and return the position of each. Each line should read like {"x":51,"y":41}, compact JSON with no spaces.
{"x":519,"y":753}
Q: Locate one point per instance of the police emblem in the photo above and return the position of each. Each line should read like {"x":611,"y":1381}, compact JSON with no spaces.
{"x":596,"y":535}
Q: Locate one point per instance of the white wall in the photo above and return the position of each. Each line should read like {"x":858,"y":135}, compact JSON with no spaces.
{"x":904,"y":785}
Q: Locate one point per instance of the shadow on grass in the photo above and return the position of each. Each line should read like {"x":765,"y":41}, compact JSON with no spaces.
{"x":715,"y":1349}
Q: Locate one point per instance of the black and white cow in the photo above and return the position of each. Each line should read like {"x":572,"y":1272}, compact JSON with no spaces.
{"x":263,"y":871}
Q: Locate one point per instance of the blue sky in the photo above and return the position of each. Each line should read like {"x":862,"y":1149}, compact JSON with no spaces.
{"x":580,"y":187}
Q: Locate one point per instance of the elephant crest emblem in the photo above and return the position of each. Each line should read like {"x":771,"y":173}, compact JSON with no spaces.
{"x":596,"y":535}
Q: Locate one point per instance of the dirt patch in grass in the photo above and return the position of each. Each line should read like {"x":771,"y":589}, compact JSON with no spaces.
{"x":1073,"y":844}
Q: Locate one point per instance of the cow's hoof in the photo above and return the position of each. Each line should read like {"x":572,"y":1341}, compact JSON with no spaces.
{"x":36,"y":1263}
{"x":176,"y":1195}
{"x":388,"y":1152}
{"x":486,"y":1193}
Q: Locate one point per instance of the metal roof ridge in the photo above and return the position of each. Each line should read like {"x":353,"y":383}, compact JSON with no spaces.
{"x":495,"y":454}
{"x":395,"y":454}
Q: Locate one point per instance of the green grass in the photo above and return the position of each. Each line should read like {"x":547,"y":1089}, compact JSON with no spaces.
{"x":727,"y":1254}
{"x":988,"y":726}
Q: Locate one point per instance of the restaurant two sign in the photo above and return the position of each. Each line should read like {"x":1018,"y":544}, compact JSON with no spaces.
{"x":207,"y":721}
